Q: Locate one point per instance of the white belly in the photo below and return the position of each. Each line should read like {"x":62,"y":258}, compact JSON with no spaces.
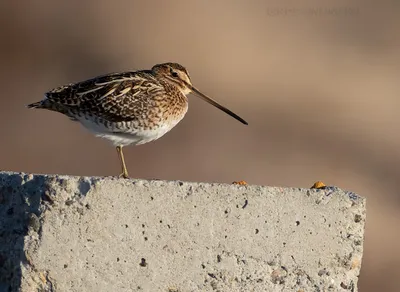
{"x":134,"y":138}
{"x":130,"y":136}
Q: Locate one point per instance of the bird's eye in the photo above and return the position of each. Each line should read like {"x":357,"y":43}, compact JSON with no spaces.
{"x":174,"y":74}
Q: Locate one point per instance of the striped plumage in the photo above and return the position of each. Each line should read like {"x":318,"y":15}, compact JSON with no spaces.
{"x":130,"y":107}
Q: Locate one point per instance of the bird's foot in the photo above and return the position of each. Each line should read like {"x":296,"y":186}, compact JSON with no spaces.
{"x":124,"y":175}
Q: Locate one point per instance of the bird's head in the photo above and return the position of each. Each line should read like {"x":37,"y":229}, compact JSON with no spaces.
{"x":178,"y":76}
{"x":174,"y":74}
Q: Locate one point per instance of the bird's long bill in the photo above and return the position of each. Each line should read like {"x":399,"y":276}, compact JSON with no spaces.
{"x":217,"y":105}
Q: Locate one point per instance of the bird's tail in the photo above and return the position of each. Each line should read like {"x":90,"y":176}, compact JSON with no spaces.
{"x":48,"y":105}
{"x":38,"y":104}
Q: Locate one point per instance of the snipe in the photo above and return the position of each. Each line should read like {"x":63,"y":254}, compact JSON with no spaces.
{"x":129,"y":107}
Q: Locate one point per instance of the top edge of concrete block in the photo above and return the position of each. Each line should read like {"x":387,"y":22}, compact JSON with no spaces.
{"x":134,"y":181}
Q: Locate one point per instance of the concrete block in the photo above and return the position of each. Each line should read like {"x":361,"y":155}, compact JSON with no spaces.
{"x":65,"y":233}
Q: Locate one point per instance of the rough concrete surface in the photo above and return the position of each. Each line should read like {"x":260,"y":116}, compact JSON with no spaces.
{"x":65,"y":233}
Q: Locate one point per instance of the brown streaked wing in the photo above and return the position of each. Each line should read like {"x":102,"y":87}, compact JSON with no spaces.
{"x":115,"y":97}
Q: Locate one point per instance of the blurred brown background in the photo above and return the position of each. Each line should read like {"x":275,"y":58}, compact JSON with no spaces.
{"x":318,"y":83}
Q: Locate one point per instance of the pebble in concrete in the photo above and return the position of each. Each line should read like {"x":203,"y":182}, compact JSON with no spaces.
{"x":64,"y":233}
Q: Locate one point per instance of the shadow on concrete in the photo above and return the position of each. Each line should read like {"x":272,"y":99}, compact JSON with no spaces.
{"x":19,"y":205}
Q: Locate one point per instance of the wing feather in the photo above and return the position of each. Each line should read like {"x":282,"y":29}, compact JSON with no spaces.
{"x":114,"y":97}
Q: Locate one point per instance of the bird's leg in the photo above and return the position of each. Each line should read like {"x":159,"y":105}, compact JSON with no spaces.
{"x":124,"y":173}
